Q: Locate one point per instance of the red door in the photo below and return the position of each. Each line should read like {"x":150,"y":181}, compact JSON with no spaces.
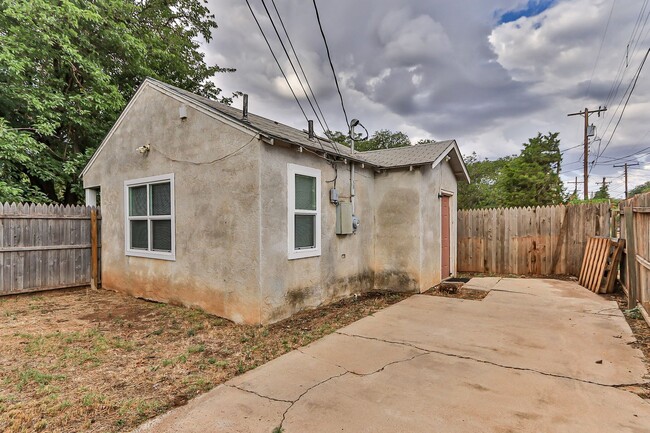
{"x":446,"y":271}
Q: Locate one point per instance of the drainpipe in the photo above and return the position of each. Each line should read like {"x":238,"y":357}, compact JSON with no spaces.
{"x":352,"y":192}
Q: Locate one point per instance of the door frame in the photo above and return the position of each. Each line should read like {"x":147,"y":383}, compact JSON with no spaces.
{"x":445,"y":200}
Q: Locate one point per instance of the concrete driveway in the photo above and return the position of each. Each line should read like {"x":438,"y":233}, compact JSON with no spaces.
{"x":533,"y":356}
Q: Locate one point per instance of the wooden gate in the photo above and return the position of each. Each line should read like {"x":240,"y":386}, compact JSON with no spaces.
{"x":48,"y":247}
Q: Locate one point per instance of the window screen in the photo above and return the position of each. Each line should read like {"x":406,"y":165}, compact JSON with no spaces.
{"x":305,"y":227}
{"x":138,"y":200}
{"x":160,"y":199}
{"x":149,"y":218}
{"x":161,"y":235}
{"x":305,"y":192}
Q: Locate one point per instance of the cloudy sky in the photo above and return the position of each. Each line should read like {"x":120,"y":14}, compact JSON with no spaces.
{"x":488,"y":73}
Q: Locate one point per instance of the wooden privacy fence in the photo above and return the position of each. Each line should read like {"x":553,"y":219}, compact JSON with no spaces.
{"x":635,"y":228}
{"x":547,"y":240}
{"x":48,"y":247}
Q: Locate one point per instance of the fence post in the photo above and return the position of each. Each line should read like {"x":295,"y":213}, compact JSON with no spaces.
{"x":630,"y":257}
{"x":94,"y":256}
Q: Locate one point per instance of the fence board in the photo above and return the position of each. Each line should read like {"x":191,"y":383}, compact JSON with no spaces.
{"x":529,"y":241}
{"x":44,"y":247}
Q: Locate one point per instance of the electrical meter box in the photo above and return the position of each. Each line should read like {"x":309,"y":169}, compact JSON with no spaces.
{"x":344,"y":218}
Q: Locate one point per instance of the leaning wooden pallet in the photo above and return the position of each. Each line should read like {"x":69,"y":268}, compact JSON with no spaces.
{"x":600,"y":262}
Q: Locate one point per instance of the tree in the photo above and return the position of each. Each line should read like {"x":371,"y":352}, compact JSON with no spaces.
{"x":603,"y":192}
{"x":640,"y":189}
{"x":67,"y":68}
{"x":533,"y":177}
{"x":383,"y":139}
{"x":482,"y":192}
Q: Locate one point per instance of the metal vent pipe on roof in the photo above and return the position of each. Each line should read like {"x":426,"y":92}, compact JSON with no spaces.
{"x":245,"y":109}
{"x":310,"y":128}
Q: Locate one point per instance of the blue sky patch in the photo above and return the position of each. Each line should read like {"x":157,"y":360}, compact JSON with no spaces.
{"x":532,"y":8}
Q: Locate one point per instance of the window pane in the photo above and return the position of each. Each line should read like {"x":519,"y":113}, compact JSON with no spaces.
{"x":305,"y":231}
{"x":160,"y":199}
{"x":138,"y":200}
{"x":139,"y":235}
{"x":305,"y":192}
{"x":161,"y":235}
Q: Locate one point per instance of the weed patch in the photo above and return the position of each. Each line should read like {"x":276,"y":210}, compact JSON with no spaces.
{"x":102,"y":361}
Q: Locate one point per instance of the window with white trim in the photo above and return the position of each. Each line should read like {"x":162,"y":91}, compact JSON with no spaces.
{"x":149,"y":217}
{"x":304,"y":216}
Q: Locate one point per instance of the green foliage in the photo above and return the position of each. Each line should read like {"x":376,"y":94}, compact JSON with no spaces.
{"x":481,"y":193}
{"x":530,"y":179}
{"x":67,"y":69}
{"x":533,"y":178}
{"x":640,"y":189}
{"x":383,"y":139}
{"x":339,"y":138}
{"x":602,"y":193}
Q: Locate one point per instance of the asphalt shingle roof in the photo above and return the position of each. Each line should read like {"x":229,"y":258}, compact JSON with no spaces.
{"x":385,"y":158}
{"x":409,"y":155}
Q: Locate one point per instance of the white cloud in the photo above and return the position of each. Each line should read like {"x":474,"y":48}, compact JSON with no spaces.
{"x":447,"y":69}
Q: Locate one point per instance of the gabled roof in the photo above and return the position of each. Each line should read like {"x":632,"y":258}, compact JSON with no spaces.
{"x":266,"y":126}
{"x":421,"y":154}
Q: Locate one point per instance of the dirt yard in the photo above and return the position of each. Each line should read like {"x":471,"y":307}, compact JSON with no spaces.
{"x":98,"y":361}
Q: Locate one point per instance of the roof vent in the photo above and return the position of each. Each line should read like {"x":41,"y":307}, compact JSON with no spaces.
{"x":310,"y":129}
{"x":244,"y":110}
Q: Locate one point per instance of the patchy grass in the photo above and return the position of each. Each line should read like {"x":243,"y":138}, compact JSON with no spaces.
{"x":82,"y":361}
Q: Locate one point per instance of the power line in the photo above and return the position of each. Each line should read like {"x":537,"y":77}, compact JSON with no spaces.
{"x":313,"y":95}
{"x":329,"y":57}
{"x":635,"y":80}
{"x":600,"y":47}
{"x":279,"y":66}
{"x":275,"y":58}
{"x":284,"y":48}
{"x":622,"y":69}
{"x":620,"y":158}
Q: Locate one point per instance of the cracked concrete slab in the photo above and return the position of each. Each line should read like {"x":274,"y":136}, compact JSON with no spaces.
{"x":436,"y":393}
{"x":359,"y":356}
{"x":287,"y":377}
{"x":547,"y":338}
{"x":534,"y":355}
{"x":223,"y":409}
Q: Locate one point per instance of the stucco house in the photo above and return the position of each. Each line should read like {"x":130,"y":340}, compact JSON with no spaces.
{"x":208,"y":206}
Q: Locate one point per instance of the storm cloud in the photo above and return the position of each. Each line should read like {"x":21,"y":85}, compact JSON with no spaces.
{"x":490,"y":73}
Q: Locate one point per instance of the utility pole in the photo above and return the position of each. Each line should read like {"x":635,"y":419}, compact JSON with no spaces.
{"x":604,"y":183}
{"x":575,"y":183}
{"x":626,"y":165}
{"x":586,"y":114}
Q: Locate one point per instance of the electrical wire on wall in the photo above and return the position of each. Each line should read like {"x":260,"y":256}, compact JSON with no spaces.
{"x":221,"y":158}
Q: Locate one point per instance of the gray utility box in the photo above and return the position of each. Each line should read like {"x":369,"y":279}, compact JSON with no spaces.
{"x":344,"y":218}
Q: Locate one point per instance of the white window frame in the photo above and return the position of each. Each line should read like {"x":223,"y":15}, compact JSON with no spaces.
{"x":292,"y":171}
{"x":127,"y":226}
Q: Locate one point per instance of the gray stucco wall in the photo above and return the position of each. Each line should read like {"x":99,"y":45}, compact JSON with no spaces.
{"x":345,"y":263}
{"x":408,"y":246}
{"x":231,"y":219}
{"x":397,"y":231}
{"x":217,"y":209}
